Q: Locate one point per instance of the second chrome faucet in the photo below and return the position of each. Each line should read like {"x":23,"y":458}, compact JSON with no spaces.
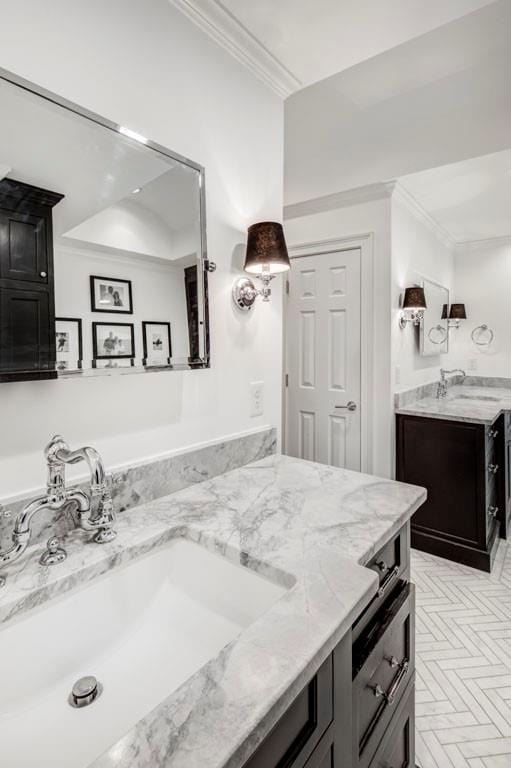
{"x":94,"y":507}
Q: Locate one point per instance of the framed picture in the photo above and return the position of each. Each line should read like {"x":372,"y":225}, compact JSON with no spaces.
{"x":113,"y":340}
{"x":110,"y":294}
{"x":68,"y":343}
{"x":157,"y":343}
{"x":113,"y":364}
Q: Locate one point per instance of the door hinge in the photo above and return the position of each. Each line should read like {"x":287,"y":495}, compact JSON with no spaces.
{"x":287,"y":379}
{"x":287,"y":287}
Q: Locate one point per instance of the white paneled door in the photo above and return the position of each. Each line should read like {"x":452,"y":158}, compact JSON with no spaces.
{"x":323,"y":358}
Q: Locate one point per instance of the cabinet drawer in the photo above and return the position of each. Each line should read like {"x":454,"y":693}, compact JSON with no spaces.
{"x":292,"y":741}
{"x":383,"y":664}
{"x":397,"y":748}
{"x":392,"y":565}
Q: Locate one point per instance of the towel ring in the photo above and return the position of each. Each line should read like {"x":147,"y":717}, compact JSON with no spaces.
{"x":483,"y":329}
{"x":442,"y":338}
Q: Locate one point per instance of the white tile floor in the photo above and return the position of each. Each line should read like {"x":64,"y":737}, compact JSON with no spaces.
{"x":463,"y":656}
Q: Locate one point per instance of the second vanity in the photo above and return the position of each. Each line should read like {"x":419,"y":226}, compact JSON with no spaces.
{"x":459,"y":448}
{"x":291,"y":578}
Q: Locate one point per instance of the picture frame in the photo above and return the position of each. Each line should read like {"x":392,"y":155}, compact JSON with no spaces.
{"x":113,"y":363}
{"x":157,"y":341}
{"x":68,"y":344}
{"x":111,"y":294}
{"x":111,"y":341}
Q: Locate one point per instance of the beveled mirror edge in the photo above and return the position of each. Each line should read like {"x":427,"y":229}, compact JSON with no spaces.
{"x":205,"y":360}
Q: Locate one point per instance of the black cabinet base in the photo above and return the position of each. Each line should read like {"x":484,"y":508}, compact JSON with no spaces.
{"x":459,"y":553}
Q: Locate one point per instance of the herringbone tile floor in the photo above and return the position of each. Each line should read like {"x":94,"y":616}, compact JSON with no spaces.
{"x":463,"y":656}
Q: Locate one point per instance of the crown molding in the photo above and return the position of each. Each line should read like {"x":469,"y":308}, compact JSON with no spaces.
{"x":216,"y":21}
{"x":472,"y":245}
{"x":342,"y":199}
{"x":420,"y":213}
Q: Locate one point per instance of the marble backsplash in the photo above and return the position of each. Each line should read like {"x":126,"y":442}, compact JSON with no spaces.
{"x":132,"y":486}
{"x":403,"y":399}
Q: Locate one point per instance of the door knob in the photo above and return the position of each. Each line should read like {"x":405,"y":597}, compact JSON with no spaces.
{"x":42,"y":274}
{"x":350,"y":406}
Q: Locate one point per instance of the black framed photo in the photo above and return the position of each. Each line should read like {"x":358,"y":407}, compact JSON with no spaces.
{"x":157,"y":343}
{"x":111,"y":294}
{"x":113,"y":340}
{"x":68,"y":343}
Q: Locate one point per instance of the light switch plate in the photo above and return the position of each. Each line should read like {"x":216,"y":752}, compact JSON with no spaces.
{"x":256,"y":398}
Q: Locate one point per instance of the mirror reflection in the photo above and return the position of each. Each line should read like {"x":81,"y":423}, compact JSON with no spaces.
{"x":434,"y":331}
{"x":101,"y":247}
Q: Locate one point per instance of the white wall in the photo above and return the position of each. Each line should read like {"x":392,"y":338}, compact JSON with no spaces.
{"x":147,"y":67}
{"x":350,"y":221}
{"x":438,"y":98}
{"x":417,"y":252}
{"x":482,"y":282}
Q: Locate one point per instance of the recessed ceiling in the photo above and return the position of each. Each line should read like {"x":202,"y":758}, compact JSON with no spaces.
{"x":471,"y":200}
{"x":313,"y":39}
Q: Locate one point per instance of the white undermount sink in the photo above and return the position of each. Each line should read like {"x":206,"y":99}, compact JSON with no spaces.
{"x":141,"y":630}
{"x":480,"y":398}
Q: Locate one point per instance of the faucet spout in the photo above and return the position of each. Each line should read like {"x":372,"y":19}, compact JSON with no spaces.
{"x":442,"y":384}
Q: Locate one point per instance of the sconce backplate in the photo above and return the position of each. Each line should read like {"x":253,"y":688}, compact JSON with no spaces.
{"x":244,"y":293}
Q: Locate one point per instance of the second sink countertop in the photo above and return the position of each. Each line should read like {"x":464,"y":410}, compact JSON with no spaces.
{"x":300,"y":523}
{"x":456,"y":408}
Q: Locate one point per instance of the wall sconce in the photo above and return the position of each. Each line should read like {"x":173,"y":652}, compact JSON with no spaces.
{"x":414,"y":304}
{"x":266,"y":256}
{"x":457,"y":313}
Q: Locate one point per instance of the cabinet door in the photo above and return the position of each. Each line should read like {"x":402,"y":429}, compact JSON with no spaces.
{"x":27,"y":340}
{"x":448,"y":459}
{"x":24,"y":247}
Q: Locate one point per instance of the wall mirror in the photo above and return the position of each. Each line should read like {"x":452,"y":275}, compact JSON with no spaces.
{"x":434,"y":331}
{"x":102,"y":245}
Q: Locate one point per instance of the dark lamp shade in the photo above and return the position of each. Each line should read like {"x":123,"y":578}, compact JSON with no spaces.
{"x":266,"y":249}
{"x":414,"y":298}
{"x":457,"y":312}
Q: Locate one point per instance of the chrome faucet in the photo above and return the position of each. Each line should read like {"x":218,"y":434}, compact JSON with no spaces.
{"x":441,"y":390}
{"x":94,"y":508}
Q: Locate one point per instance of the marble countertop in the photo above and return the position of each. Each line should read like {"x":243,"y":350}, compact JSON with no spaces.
{"x":478,"y":405}
{"x":307,"y":526}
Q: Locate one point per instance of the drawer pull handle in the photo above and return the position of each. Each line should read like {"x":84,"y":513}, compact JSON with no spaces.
{"x":387,"y":581}
{"x":492,"y":468}
{"x":390,"y":695}
{"x":394,"y":688}
{"x":493,"y":511}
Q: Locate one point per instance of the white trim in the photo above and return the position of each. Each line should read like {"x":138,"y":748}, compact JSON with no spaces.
{"x":97,"y":251}
{"x":217,"y":22}
{"x":336,"y":200}
{"x":487,"y":242}
{"x":365,"y":244}
{"x":421,"y":214}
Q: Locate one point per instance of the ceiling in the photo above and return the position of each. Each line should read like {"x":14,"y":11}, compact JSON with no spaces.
{"x":471,"y":200}
{"x":299,"y":42}
{"x":48,"y":146}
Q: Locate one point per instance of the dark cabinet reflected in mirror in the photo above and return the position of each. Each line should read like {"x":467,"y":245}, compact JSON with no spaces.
{"x":102,"y":246}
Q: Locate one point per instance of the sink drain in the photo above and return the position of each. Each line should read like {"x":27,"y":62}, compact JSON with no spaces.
{"x":85,"y":691}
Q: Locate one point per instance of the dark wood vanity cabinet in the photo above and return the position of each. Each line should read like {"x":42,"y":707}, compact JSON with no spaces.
{"x":27,"y":305}
{"x":358,"y":709}
{"x":462,"y":466}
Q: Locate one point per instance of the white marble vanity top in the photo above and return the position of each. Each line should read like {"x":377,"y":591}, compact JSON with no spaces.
{"x":308,"y":526}
{"x":479,"y":405}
